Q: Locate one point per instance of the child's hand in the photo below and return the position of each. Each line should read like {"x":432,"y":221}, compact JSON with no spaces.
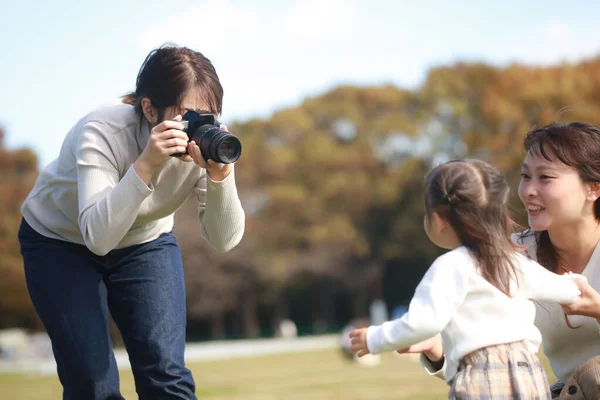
{"x":359,"y":341}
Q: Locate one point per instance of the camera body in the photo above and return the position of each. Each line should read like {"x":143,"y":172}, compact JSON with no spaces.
{"x":193,"y":121}
{"x":214,"y":143}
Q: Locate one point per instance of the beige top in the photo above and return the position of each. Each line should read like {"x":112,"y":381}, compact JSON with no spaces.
{"x":454,"y":299}
{"x":565,"y":348}
{"x":91,"y":194}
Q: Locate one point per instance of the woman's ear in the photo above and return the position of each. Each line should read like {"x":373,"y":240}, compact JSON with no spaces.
{"x":593,"y":191}
{"x":149,"y":111}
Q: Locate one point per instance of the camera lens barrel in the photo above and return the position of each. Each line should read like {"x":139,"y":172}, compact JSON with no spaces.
{"x":217,"y":145}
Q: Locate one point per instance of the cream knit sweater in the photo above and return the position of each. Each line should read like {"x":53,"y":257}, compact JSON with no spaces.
{"x":91,"y":194}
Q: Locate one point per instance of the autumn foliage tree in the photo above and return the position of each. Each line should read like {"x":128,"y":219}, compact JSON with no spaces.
{"x":18,"y":170}
{"x":332,"y":189}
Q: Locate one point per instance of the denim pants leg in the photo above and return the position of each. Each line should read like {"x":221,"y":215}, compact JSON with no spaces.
{"x":144,"y":288}
{"x":68,"y":293}
{"x":146,"y":297}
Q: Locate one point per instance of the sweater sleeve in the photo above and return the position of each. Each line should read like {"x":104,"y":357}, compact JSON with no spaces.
{"x":222,"y":218}
{"x":437,"y":298}
{"x":431,"y":369}
{"x":108,"y":206}
{"x":539,"y":284}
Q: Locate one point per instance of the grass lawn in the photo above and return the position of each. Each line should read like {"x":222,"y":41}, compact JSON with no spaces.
{"x":322,"y":374}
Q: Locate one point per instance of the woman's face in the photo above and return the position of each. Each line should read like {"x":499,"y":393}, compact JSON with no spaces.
{"x":553,"y":193}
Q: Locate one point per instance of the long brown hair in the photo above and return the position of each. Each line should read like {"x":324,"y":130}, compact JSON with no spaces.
{"x":576,"y":144}
{"x":168,"y":73}
{"x":472,"y":196}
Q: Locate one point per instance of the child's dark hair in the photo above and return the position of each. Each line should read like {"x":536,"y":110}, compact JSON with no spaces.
{"x":472,"y":196}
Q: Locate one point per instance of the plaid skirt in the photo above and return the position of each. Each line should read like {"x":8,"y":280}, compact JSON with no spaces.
{"x":501,"y":372}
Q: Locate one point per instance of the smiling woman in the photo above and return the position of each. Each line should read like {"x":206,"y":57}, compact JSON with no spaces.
{"x":560,"y":183}
{"x":560,"y":187}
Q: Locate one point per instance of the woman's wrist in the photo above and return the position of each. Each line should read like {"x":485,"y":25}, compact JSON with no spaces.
{"x":143,"y":170}
{"x":596,"y":306}
{"x":217,"y":175}
{"x":597,"y":316}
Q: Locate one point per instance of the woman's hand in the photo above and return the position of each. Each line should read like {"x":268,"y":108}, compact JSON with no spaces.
{"x":165,"y":139}
{"x":216,"y":171}
{"x":432,"y":348}
{"x":588,"y":303}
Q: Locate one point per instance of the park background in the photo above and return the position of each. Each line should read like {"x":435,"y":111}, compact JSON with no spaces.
{"x":342,"y":106}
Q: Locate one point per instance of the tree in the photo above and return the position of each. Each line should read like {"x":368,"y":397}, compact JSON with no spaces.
{"x":18,"y":170}
{"x":333,"y":193}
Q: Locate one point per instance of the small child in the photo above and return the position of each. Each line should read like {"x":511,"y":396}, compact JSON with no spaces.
{"x":478,"y":295}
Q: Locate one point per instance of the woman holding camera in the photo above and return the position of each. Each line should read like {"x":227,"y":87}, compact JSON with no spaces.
{"x":97,"y":233}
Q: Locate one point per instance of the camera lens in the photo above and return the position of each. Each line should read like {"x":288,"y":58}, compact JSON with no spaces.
{"x":215,"y":144}
{"x":229,"y":149}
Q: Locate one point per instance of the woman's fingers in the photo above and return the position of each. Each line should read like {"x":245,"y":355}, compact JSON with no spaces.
{"x":186,"y":158}
{"x":175,"y":149}
{"x":169,"y":141}
{"x":167,"y":125}
{"x":176,"y":142}
{"x":172,"y":134}
{"x":196,"y":154}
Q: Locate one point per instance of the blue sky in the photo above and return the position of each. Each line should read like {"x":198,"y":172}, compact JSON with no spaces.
{"x":62,"y":59}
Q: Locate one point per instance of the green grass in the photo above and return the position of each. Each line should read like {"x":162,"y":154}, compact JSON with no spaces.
{"x":309,"y":375}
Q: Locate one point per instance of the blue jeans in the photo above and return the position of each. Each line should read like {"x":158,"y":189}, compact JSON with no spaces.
{"x":72,"y":289}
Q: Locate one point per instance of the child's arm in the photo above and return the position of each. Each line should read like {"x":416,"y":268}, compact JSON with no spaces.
{"x":437,"y":297}
{"x":540,"y":284}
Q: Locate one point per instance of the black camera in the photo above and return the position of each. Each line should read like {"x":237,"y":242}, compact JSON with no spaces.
{"x":215,"y":144}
